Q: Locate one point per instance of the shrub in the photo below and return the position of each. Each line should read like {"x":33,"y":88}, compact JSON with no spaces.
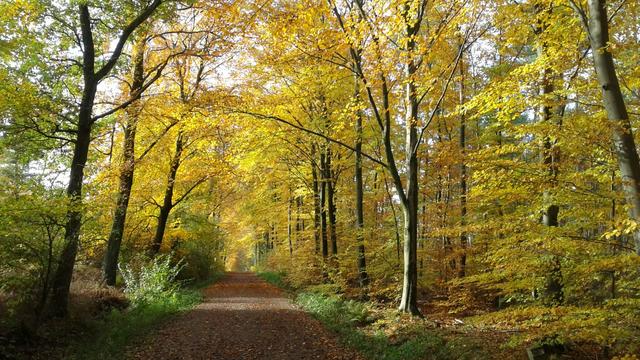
{"x":151,"y":279}
{"x":30,"y":239}
{"x":201,"y":258}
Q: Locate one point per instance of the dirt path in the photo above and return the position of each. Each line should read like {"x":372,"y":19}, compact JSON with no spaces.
{"x":242,"y":318}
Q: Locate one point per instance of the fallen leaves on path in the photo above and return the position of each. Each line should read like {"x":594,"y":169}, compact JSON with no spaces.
{"x":243,"y":318}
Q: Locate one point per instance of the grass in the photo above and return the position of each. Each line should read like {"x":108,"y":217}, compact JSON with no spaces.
{"x":121,"y":328}
{"x":274,"y":278}
{"x":353,"y":322}
{"x":376,"y":334}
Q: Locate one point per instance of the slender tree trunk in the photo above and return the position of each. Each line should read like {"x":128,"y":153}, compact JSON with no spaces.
{"x":331,"y":204}
{"x":409,"y":300}
{"x":409,"y":198}
{"x":423,"y":235}
{"x":167,"y":203}
{"x":553,"y":291}
{"x":110,"y":264}
{"x":462,"y":269}
{"x":323,"y":207}
{"x":317,"y":207}
{"x":553,"y":284}
{"x":395,"y":219}
{"x":274,"y":237}
{"x":289,"y":226}
{"x":256,"y":254}
{"x":613,"y":100}
{"x":299,"y":224}
{"x":363,"y":277}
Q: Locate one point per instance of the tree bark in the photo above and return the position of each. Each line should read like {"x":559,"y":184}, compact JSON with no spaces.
{"x":323,"y":207}
{"x":289,"y":226}
{"x":167,"y":203}
{"x":462,"y":269}
{"x":553,"y":290}
{"x":409,"y":300}
{"x":363,"y":277}
{"x":127,"y":167}
{"x":331,"y":204}
{"x":64,"y":272}
{"x":317,"y":207}
{"x":623,"y":141}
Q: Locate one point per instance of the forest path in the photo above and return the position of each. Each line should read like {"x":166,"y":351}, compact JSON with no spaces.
{"x":242,"y":318}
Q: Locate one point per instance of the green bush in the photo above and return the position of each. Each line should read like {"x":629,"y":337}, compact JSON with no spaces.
{"x":30,"y":239}
{"x":149,"y":280}
{"x":201,"y":259}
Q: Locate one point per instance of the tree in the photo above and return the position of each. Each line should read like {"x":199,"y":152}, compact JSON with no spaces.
{"x":85,"y":121}
{"x":596,"y":22}
{"x":409,"y":17}
{"x":126,"y":170}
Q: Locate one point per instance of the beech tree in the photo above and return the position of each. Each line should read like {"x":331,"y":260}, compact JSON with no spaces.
{"x":92,"y":75}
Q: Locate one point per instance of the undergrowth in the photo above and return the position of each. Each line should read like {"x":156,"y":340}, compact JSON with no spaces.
{"x":155,"y":295}
{"x":116,"y":330}
{"x":274,"y":278}
{"x":361,"y":329}
{"x":376,"y":334}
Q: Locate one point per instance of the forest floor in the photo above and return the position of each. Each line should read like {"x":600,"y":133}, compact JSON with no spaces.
{"x":242,"y":318}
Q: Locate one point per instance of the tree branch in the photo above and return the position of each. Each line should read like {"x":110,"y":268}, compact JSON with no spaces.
{"x":309,"y":131}
{"x":128,"y":30}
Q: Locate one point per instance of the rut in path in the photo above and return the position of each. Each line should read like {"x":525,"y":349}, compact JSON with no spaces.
{"x":242,"y":318}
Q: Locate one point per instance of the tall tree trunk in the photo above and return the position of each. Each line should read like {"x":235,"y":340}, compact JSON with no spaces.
{"x":167,"y":203}
{"x":256,"y":254}
{"x":299,"y":224}
{"x":409,"y":198}
{"x":289,"y":226}
{"x":409,"y":300}
{"x":553,"y":284}
{"x":331,"y":204}
{"x":62,"y":278}
{"x":623,"y":141}
{"x":127,"y":167}
{"x":462,"y":269}
{"x":553,"y":291}
{"x":395,"y":218}
{"x":273,"y":235}
{"x":317,"y":207}
{"x":323,"y":207}
{"x":422,"y":238}
{"x":363,"y":277}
